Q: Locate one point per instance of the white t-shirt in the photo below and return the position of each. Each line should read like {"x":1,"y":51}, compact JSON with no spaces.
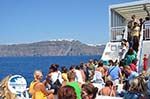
{"x":98,"y":77}
{"x":79,"y":76}
{"x":56,"y":75}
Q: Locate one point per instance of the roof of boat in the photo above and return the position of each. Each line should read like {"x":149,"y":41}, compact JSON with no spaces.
{"x":139,"y":8}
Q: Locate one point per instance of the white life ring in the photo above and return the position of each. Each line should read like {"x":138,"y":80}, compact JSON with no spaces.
{"x":17,"y":84}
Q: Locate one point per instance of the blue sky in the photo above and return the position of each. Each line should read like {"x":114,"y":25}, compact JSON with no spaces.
{"x":25,"y":21}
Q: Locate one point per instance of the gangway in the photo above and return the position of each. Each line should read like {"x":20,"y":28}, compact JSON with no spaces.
{"x":119,"y":16}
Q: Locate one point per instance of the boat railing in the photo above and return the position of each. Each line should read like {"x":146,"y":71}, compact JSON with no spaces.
{"x":139,"y":53}
{"x":117,"y":33}
{"x":126,"y":33}
{"x":146,"y":32}
{"x":125,"y":37}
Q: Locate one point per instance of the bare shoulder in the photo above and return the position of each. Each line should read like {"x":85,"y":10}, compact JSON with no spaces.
{"x":64,"y":83}
{"x":80,"y":84}
{"x":40,"y":84}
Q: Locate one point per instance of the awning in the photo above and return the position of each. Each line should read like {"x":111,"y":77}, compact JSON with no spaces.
{"x":139,"y":8}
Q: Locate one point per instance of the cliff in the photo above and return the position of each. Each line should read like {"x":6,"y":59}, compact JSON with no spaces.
{"x":51,"y":48}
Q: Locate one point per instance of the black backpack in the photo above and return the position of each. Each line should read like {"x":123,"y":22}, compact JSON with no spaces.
{"x":56,"y":85}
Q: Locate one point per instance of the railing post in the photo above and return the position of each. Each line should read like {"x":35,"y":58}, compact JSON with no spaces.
{"x":139,"y":54}
{"x":126,"y":33}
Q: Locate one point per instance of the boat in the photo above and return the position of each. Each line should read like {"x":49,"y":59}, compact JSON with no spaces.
{"x":119,"y":16}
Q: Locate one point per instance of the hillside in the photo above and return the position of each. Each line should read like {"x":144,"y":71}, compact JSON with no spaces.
{"x":51,"y":48}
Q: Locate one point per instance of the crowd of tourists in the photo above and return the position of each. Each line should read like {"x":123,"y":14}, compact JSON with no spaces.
{"x":90,"y":80}
{"x":135,"y":26}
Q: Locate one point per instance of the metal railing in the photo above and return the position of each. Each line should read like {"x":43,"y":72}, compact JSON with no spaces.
{"x":140,"y":51}
{"x":117,"y":33}
{"x":146,"y":31}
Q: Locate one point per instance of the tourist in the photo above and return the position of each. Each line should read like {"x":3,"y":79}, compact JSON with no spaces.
{"x":83,"y":71}
{"x":72,"y":68}
{"x":131,"y":74}
{"x":37,"y":88}
{"x":148,"y":87}
{"x":98,"y":74}
{"x":79,"y":75}
{"x":145,"y":62}
{"x":141,"y":23}
{"x":96,"y":63}
{"x":76,"y":85}
{"x":135,"y":33}
{"x":101,"y":68}
{"x":91,"y":65}
{"x":133,"y":65}
{"x":147,"y":20}
{"x":64,"y":73}
{"x":91,"y":68}
{"x":97,"y":79}
{"x":54,"y":73}
{"x":67,"y":92}
{"x":130,"y":28}
{"x":130,"y":56}
{"x":124,"y":48}
{"x":87,"y":72}
{"x":136,"y":89}
{"x":55,"y":78}
{"x":89,"y":91}
{"x":115,"y":73}
{"x":108,"y":90}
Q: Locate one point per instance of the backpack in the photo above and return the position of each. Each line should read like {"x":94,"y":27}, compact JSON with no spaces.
{"x":56,"y":85}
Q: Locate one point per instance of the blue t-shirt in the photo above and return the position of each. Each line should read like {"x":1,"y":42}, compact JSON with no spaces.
{"x":114,"y":72}
{"x":132,"y":95}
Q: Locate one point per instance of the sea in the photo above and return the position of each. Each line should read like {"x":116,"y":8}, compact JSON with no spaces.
{"x":26,"y":66}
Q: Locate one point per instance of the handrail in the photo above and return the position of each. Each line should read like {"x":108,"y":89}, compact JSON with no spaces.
{"x":126,"y":33}
{"x":117,"y":33}
{"x":139,"y":53}
{"x":125,"y":37}
{"x":118,"y":27}
{"x":146,"y":33}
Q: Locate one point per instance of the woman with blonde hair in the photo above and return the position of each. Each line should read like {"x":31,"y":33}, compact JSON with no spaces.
{"x":37,"y":88}
{"x":137,"y":89}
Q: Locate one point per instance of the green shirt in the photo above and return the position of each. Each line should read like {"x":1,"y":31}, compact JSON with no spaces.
{"x":77,"y":88}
